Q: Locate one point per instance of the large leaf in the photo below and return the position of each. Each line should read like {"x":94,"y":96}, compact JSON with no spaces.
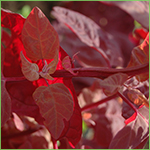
{"x":56,"y":105}
{"x":87,"y":31}
{"x":134,"y":133}
{"x":139,"y":10}
{"x":30,"y":70}
{"x":113,"y":83}
{"x":39,"y":37}
{"x":5,"y":103}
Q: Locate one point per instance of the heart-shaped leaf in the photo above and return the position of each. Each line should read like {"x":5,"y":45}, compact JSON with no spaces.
{"x":29,"y":70}
{"x":39,"y":37}
{"x":113,"y":83}
{"x":56,"y":106}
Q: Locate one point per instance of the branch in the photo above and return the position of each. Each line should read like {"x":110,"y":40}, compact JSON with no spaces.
{"x":101,"y":72}
{"x":90,"y":106}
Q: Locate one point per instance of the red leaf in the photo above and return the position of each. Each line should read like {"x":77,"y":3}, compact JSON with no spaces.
{"x":140,"y":55}
{"x":86,"y":29}
{"x":66,"y":63}
{"x":134,"y":133}
{"x":56,"y":104}
{"x":113,"y":83}
{"x":29,"y":70}
{"x":13,"y":21}
{"x":39,"y":37}
{"x":5,"y":103}
{"x":139,"y":10}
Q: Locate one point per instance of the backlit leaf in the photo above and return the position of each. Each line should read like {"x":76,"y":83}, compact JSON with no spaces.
{"x":137,"y":97}
{"x":39,"y":37}
{"x":56,"y":106}
{"x":66,"y":63}
{"x":140,"y":55}
{"x":113,"y":83}
{"x":29,"y":70}
{"x":13,"y":21}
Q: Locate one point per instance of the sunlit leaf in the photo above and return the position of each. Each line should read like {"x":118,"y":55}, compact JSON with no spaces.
{"x":113,"y":83}
{"x":66,"y":63}
{"x":140,"y":55}
{"x":137,"y":97}
{"x":39,"y":37}
{"x":29,"y":70}
{"x":56,"y":106}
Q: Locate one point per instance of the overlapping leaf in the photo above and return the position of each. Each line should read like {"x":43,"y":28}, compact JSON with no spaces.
{"x":134,"y":133}
{"x":87,"y":30}
{"x":113,"y":83}
{"x":140,"y":55}
{"x":139,"y":10}
{"x":12,"y":21}
{"x":30,"y":70}
{"x":137,"y":97}
{"x":56,"y":104}
{"x":66,"y":63}
{"x":39,"y":37}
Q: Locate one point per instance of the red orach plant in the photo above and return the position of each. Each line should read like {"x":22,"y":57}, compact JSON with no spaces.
{"x":41,"y":109}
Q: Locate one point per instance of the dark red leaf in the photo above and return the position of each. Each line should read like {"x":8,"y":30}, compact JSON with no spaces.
{"x":134,"y":133}
{"x":139,"y":10}
{"x":5,"y":103}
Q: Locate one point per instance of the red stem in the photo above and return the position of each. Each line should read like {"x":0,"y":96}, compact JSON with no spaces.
{"x":90,"y":106}
{"x":97,"y":72}
{"x":101,"y":72}
{"x":54,"y":143}
{"x":127,"y":101}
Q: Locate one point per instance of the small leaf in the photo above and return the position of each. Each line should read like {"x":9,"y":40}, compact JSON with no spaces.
{"x":113,"y":83}
{"x":66,"y":63}
{"x":140,"y":55}
{"x":56,"y":105}
{"x":137,"y":97}
{"x":39,"y":37}
{"x":29,"y":70}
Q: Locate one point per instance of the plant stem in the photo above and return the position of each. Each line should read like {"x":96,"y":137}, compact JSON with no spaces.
{"x":127,"y":101}
{"x":101,"y":72}
{"x":90,"y":106}
{"x":54,"y":143}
